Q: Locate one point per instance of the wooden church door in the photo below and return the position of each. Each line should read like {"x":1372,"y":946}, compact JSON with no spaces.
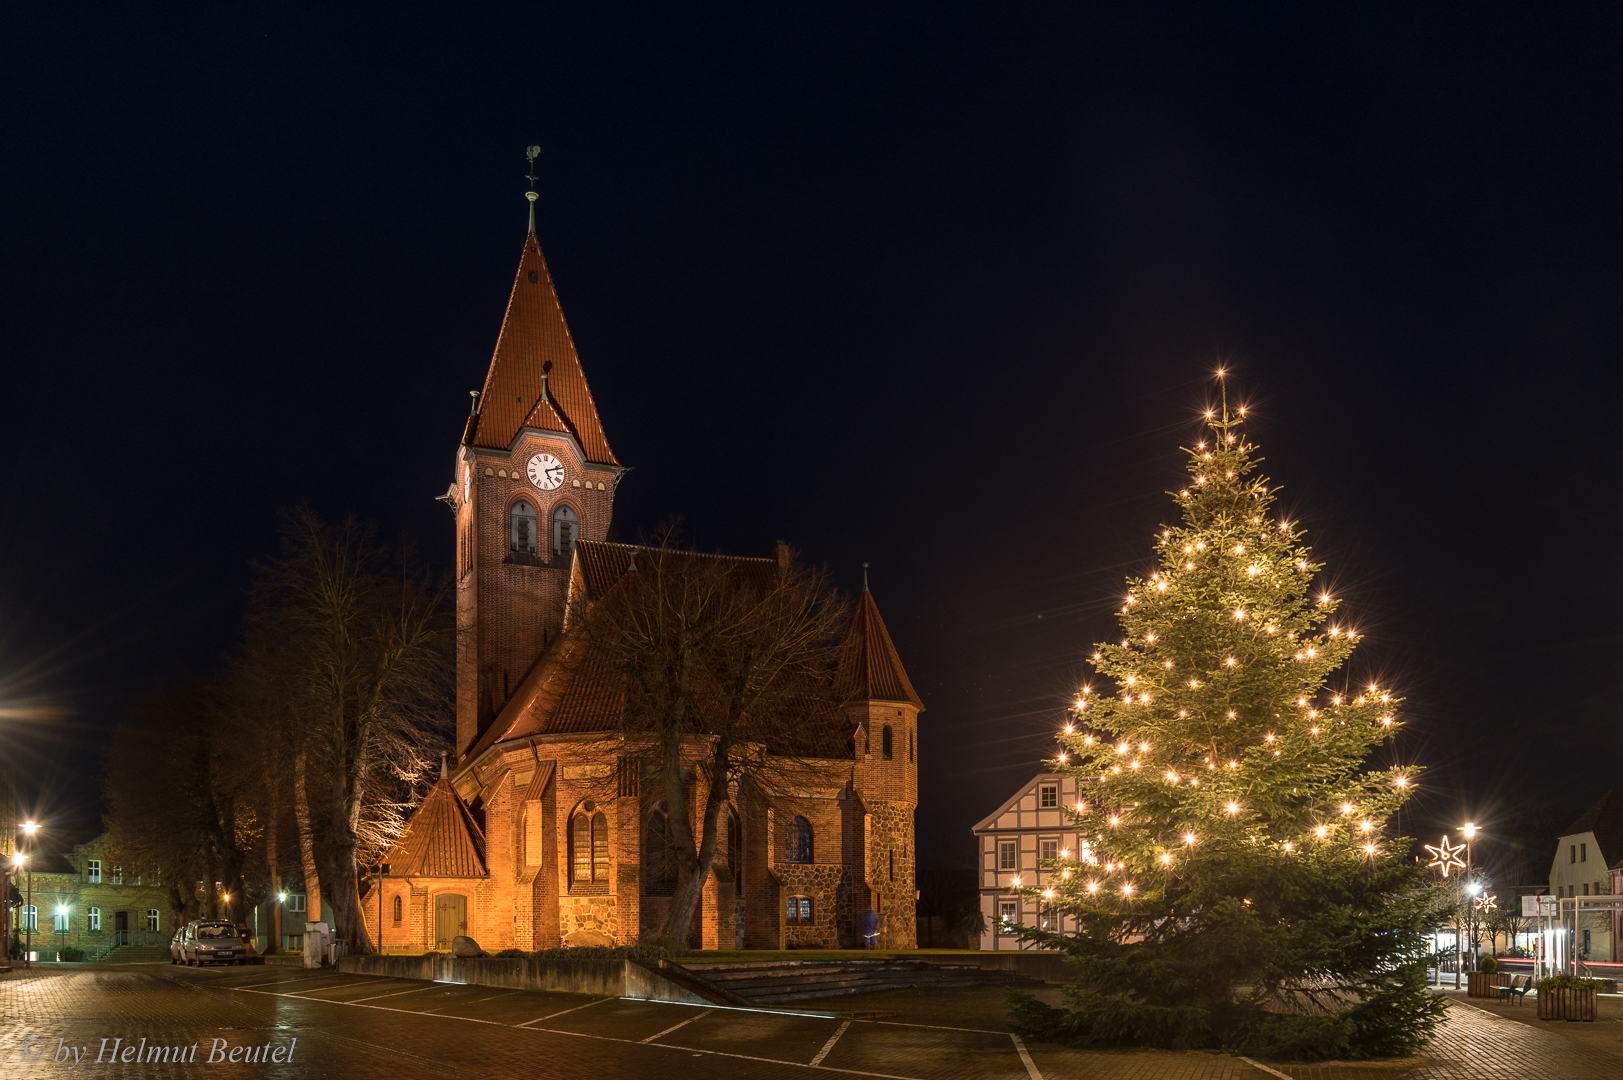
{"x":450,"y":919}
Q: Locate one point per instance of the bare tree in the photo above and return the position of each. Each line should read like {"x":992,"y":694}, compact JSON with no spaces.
{"x":726,"y":670}
{"x":365,"y":639}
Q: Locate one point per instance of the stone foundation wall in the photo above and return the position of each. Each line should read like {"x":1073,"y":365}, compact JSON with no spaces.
{"x":589,"y":920}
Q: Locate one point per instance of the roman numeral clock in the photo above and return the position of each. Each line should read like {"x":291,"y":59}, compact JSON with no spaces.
{"x":546,"y":472}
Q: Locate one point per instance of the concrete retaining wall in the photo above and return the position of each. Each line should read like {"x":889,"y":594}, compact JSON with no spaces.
{"x":602,"y":978}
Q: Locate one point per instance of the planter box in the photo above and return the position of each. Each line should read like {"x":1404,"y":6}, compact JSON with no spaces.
{"x":1566,"y":1005}
{"x":1485,"y":984}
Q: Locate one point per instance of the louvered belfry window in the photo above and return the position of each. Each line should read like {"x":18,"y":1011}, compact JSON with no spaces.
{"x":523,"y":531}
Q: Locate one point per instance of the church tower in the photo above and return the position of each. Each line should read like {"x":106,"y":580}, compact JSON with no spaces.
{"x":883,"y":709}
{"x":534,"y":473}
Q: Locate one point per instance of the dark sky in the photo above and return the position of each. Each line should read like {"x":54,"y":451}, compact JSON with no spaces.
{"x":937,"y":288}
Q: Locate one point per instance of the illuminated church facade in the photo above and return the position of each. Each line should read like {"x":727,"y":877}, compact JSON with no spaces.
{"x":543,"y":830}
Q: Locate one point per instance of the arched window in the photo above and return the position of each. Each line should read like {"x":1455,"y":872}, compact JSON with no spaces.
{"x":798,"y":841}
{"x":798,"y":911}
{"x":523,"y":531}
{"x":565,"y":528}
{"x":884,"y":743}
{"x":658,"y":869}
{"x":399,"y":910}
{"x":589,"y":846}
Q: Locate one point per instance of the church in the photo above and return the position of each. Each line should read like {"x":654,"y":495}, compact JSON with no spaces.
{"x":540,"y":831}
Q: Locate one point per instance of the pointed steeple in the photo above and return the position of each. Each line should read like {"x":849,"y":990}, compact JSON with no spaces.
{"x":869,"y":668}
{"x":441,"y":840}
{"x":535,"y":335}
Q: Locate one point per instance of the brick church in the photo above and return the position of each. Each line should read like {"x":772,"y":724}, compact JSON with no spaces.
{"x":540,"y":831}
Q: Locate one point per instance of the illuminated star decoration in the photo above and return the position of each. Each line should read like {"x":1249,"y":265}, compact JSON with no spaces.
{"x":1486,"y":903}
{"x":1445,"y":857}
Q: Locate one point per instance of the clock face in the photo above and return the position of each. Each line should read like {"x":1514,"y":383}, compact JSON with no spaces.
{"x":546,"y":472}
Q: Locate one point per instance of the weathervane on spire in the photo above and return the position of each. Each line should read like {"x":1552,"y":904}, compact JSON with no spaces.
{"x":531,"y":153}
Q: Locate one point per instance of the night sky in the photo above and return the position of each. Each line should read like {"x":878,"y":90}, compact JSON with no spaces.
{"x":936,"y":288}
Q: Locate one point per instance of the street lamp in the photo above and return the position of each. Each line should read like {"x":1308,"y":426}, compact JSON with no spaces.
{"x":29,"y":829}
{"x":1469,"y":830}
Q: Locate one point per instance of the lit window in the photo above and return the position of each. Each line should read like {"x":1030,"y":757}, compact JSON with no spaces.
{"x":93,"y":871}
{"x":60,"y":921}
{"x":1008,"y":912}
{"x":30,"y":919}
{"x":93,"y":920}
{"x":152,"y":919}
{"x":798,"y":911}
{"x":1048,"y":796}
{"x":117,"y":875}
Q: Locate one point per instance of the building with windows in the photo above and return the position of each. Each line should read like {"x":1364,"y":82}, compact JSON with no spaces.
{"x":1584,"y":856}
{"x":544,"y":828}
{"x":81,"y":900}
{"x":1011,"y":845}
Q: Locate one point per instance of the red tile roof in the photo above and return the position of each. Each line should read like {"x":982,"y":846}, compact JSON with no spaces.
{"x":441,"y":840}
{"x":571,"y":689}
{"x":533,"y":335}
{"x":869,"y":668}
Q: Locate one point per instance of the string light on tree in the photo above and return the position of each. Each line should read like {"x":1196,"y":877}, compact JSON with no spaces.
{"x":1216,"y":777}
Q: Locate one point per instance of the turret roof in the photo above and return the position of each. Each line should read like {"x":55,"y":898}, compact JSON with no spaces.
{"x":441,"y":840}
{"x":534,"y":334}
{"x":869,"y":668}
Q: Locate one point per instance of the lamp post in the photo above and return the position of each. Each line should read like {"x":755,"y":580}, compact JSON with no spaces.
{"x":1469,"y":830}
{"x":380,"y":869}
{"x":29,"y":829}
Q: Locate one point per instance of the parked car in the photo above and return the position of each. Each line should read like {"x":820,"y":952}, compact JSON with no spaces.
{"x":176,"y":954}
{"x":210,"y":941}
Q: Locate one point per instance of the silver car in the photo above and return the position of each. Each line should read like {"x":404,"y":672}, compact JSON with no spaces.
{"x":176,"y":954}
{"x":209,"y":941}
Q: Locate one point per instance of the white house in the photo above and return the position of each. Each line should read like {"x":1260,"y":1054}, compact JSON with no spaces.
{"x":1029,"y":827}
{"x":1584,"y":856}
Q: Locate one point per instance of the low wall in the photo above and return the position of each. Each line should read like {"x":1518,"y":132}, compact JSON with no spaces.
{"x":602,"y":978}
{"x":1045,"y":966}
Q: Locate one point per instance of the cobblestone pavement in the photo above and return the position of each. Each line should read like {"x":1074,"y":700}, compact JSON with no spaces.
{"x":159,"y":1021}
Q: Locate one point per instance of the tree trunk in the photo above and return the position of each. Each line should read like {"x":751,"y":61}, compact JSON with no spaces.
{"x":307,"y":841}
{"x":273,"y":866}
{"x":694,"y":859}
{"x":348,"y":922}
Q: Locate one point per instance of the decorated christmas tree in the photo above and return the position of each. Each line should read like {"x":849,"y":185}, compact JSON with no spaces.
{"x":1240,"y":884}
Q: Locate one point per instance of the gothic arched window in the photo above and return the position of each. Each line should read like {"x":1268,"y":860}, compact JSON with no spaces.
{"x":589,"y":847}
{"x":399,"y":909}
{"x":884,"y":743}
{"x":523,"y":528}
{"x":565,"y":530}
{"x":798,"y":841}
{"x":658,"y":869}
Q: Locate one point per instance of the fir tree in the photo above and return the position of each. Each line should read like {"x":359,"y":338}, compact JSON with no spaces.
{"x":1239,"y":885}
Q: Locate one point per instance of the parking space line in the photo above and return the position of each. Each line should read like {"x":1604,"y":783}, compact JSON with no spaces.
{"x":674,"y":1027}
{"x":832,"y":1039}
{"x":476,"y":1001}
{"x":577,"y":1008}
{"x":1031,"y":1066}
{"x":396,"y":993}
{"x":934,"y":1027}
{"x":289,"y":982}
{"x":1276,"y":1072}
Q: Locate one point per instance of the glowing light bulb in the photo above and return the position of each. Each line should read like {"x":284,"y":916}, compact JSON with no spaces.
{"x":1234,"y":764}
{"x":1131,"y":679}
{"x":1229,"y":661}
{"x":1403,"y":781}
{"x":1016,"y":883}
{"x":1321,"y":832}
{"x":1081,"y":807}
{"x":1365,"y":826}
{"x":1166,"y":860}
{"x":1346,"y":808}
{"x":1093,"y":886}
{"x":1127,"y":890}
{"x":1288,"y":845}
{"x":1386,"y":721}
{"x":1312,"y":731}
{"x":1239,"y":549}
{"x":1369,"y":849}
{"x":1239,"y":613}
{"x":1048,"y":894}
{"x":1172,"y":776}
{"x":1115,"y":821}
{"x":1270,"y":736}
{"x":1087,"y":740}
{"x":1189,"y":838}
{"x":1144,"y":746}
{"x":1234,"y":808}
{"x":1135,"y":764}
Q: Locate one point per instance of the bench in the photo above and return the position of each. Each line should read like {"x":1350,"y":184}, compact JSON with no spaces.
{"x":1518,"y":988}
